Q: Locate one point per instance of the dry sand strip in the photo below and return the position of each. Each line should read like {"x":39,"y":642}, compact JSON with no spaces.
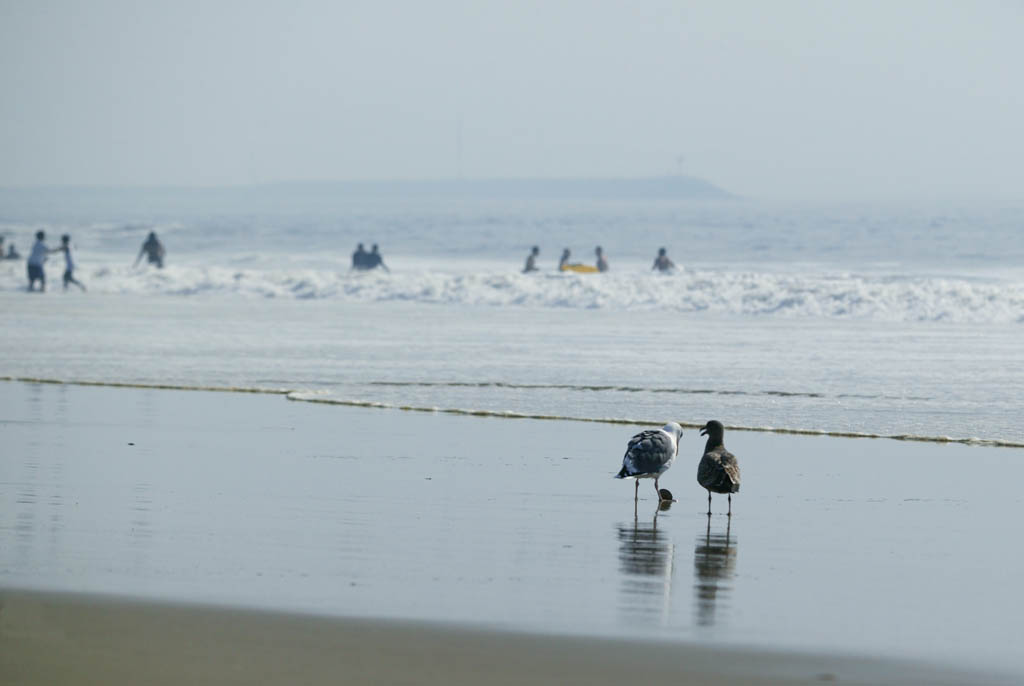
{"x":70,"y":639}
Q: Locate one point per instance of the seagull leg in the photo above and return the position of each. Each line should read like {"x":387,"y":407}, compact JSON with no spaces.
{"x":730,"y":504}
{"x":636,"y":491}
{"x":709,"y":501}
{"x":656,"y":489}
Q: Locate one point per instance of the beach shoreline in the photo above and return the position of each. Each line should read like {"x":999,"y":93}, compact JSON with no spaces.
{"x":317,"y":398}
{"x":273,"y":521}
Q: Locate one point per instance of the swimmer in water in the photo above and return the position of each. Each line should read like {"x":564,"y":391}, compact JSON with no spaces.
{"x":374,"y":260}
{"x":662,"y":263}
{"x":153,"y":249}
{"x":359,"y":258}
{"x":531,"y":260}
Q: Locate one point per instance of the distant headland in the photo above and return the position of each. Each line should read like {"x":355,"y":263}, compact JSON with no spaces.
{"x":672,"y":186}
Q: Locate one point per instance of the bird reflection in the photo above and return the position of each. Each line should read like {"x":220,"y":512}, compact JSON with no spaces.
{"x":646,"y":558}
{"x":714,"y":566}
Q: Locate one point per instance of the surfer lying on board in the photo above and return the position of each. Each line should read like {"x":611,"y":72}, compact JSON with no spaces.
{"x":564,"y":266}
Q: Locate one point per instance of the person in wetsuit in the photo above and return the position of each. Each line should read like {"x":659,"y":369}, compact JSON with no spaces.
{"x":359,"y":258}
{"x":662,"y":263}
{"x":564,"y":260}
{"x":153,"y":249}
{"x":531,"y":260}
{"x":374,"y":260}
{"x":602,"y":263}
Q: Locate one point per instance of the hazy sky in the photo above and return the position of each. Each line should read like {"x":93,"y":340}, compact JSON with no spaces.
{"x":770,"y":99}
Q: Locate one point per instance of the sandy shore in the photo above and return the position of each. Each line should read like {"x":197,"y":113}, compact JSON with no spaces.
{"x":69,"y":639}
{"x":439,"y":548}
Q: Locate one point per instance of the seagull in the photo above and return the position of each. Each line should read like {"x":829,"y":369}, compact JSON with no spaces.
{"x":718,"y":471}
{"x":649,"y":454}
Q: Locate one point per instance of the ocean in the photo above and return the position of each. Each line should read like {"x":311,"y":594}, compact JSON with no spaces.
{"x":899,"y":321}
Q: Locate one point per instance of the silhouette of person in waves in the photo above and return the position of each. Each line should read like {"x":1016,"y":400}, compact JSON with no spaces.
{"x":36,"y":258}
{"x":374,"y":260}
{"x":662,"y":263}
{"x":69,"y":263}
{"x":153,"y":249}
{"x":563,"y":262}
{"x":531,"y":260}
{"x":359,"y":258}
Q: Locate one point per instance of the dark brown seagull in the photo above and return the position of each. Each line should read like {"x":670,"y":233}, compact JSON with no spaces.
{"x":718,"y":471}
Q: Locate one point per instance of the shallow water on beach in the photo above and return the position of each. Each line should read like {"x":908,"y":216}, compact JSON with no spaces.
{"x":923,"y":379}
{"x":851,"y":546}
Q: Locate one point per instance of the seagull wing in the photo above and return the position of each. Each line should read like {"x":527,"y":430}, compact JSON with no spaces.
{"x":732,"y":469}
{"x":719,"y":471}
{"x":647,"y":453}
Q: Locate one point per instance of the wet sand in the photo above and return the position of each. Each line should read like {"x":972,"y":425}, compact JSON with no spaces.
{"x":253,"y":533}
{"x":62,"y":639}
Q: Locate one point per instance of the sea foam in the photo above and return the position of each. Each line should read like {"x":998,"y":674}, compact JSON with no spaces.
{"x":820,"y":294}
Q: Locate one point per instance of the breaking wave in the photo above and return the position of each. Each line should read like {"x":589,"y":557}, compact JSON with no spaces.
{"x":745,"y":293}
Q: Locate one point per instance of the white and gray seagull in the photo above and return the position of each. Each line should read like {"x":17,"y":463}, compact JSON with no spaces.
{"x":649,"y":455}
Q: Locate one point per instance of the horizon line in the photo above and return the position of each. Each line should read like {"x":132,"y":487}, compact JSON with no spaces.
{"x":367,"y":181}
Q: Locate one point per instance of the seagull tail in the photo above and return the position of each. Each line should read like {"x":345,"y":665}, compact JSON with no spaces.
{"x":622,"y":473}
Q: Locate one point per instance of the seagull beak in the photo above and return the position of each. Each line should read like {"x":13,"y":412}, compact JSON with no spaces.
{"x":704,"y":431}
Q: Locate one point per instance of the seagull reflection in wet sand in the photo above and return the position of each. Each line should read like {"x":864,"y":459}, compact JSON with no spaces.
{"x":714,"y":566}
{"x":646,"y":562}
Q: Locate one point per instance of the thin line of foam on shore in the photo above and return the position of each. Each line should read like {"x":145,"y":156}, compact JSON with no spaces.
{"x":583,"y":387}
{"x":632,"y":389}
{"x":313,"y":397}
{"x":509,"y":414}
{"x":154,"y":386}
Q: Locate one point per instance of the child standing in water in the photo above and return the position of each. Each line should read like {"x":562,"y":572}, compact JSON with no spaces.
{"x":69,"y":264}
